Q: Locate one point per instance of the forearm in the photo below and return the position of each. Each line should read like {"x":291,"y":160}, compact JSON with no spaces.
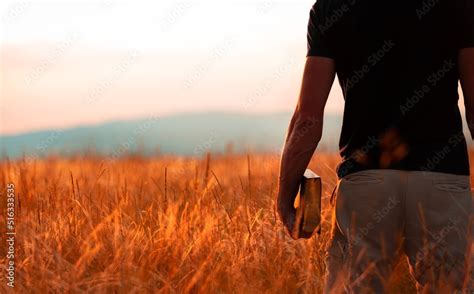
{"x":468,"y":93}
{"x":466,"y":71}
{"x":303,"y":136}
{"x":468,"y":103}
{"x":304,"y":133}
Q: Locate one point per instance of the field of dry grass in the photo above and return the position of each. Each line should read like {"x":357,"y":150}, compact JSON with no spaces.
{"x":164,"y":224}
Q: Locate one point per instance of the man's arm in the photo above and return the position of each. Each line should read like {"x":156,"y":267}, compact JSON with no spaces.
{"x":466,"y":71}
{"x":304,"y":133}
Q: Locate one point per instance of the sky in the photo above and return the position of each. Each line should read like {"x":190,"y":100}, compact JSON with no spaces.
{"x":74,"y":63}
{"x":69,"y":63}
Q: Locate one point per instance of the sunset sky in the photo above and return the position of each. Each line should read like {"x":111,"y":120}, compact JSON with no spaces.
{"x":73,"y":63}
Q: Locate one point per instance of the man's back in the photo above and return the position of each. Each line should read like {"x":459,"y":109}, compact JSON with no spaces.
{"x":397,"y":65}
{"x":404,"y":184}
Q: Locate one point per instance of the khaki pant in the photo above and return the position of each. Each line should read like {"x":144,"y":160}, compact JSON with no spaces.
{"x":382,"y":214}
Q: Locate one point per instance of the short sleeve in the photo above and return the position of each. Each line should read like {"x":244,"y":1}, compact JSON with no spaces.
{"x":318,"y":43}
{"x":466,"y":18}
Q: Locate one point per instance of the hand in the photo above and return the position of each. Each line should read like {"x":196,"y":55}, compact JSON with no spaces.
{"x":287,"y":215}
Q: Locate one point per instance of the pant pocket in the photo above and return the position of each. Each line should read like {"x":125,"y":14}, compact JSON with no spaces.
{"x":451,"y":183}
{"x":363,"y":178}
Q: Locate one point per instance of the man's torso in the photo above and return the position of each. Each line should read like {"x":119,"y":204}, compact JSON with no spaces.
{"x":397,"y":65}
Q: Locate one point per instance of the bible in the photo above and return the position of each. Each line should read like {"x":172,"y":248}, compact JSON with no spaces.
{"x":308,"y":206}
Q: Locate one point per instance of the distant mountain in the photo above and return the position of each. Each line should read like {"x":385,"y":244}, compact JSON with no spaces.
{"x":183,"y":134}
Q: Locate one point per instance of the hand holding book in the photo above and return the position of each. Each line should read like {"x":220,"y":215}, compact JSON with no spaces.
{"x":308,"y":207}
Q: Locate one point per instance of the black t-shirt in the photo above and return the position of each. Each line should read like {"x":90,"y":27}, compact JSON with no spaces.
{"x":396,"y":62}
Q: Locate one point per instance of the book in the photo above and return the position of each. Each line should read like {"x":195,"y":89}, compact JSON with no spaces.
{"x":308,"y":206}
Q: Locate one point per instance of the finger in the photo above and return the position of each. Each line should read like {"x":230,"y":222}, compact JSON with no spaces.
{"x":290,"y":222}
{"x":305,"y":235}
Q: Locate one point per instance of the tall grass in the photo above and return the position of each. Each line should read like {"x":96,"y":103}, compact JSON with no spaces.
{"x":164,"y":224}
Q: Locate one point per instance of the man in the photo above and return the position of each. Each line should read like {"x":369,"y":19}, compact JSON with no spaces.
{"x":404,"y":177}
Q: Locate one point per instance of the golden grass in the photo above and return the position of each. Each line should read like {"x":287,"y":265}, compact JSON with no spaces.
{"x":164,"y":224}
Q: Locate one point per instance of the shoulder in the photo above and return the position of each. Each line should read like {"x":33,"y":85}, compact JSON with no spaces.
{"x":326,"y":15}
{"x":330,"y":9}
{"x":328,"y":6}
{"x":318,"y":7}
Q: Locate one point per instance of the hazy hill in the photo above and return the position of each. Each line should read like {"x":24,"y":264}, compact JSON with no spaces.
{"x":183,"y":134}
